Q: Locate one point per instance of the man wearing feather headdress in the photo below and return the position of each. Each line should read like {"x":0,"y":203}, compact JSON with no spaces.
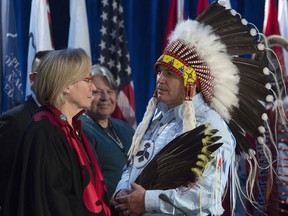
{"x":202,"y":85}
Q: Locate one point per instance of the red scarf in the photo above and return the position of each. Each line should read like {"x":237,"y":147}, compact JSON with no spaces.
{"x":94,"y":188}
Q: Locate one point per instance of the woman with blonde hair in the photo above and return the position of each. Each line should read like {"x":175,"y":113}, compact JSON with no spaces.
{"x":60,"y":173}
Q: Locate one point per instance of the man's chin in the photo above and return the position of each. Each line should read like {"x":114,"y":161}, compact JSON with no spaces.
{"x":161,"y":98}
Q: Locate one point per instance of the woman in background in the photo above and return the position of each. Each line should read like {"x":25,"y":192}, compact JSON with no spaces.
{"x":110,"y":138}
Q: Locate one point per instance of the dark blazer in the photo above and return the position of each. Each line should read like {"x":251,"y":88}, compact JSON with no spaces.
{"x":12,"y":126}
{"x":51,"y":181}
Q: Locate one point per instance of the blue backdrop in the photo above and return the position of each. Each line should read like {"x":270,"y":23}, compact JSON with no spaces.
{"x":145,"y":22}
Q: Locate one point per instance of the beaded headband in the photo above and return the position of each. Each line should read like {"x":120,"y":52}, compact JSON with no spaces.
{"x":185,"y":62}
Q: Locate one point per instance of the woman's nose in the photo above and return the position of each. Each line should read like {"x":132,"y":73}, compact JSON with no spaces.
{"x":104,"y":95}
{"x":93,"y":87}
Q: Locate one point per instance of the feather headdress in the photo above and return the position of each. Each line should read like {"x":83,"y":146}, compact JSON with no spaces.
{"x":211,"y":47}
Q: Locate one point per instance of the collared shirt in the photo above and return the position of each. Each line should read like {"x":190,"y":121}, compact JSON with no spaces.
{"x":205,"y":196}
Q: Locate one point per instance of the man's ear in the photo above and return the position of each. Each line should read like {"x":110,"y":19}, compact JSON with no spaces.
{"x":32,"y":77}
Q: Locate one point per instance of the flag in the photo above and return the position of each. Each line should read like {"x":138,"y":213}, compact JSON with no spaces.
{"x":283,"y":25}
{"x":172,"y":20}
{"x":39,"y":33}
{"x":202,"y":5}
{"x":115,"y":56}
{"x":282,"y":172}
{"x":271,"y":26}
{"x":78,"y":30}
{"x":12,"y":88}
{"x":175,"y":15}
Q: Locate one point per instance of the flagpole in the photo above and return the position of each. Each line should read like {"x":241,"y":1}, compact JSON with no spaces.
{"x":180,"y":9}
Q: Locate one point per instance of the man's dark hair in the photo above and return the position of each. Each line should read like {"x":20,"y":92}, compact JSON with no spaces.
{"x":37,"y":58}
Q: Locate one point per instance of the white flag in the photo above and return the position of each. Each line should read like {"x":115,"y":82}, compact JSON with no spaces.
{"x":39,"y":33}
{"x":78,"y":30}
{"x":283,"y":25}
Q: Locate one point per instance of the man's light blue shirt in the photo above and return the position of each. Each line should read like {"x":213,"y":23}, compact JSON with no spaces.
{"x":205,"y":196}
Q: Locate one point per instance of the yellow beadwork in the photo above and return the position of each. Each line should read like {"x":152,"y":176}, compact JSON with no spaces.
{"x":188,"y":73}
{"x":189,"y":76}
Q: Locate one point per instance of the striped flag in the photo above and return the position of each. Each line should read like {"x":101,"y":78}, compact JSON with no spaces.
{"x":78,"y":30}
{"x":172,"y":20}
{"x":39,"y":33}
{"x":283,"y":25}
{"x":271,"y":26}
{"x":175,"y":15}
{"x":281,"y":188}
{"x":202,"y":5}
{"x":12,"y":88}
{"x":115,"y":56}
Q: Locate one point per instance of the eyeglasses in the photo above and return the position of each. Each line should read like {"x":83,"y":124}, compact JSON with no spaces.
{"x":88,"y":80}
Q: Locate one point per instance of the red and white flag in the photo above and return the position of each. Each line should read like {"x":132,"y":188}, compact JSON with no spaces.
{"x":283,"y":25}
{"x":175,"y":15}
{"x":78,"y":29}
{"x":39,"y":33}
{"x":172,"y":20}
{"x":202,"y":5}
{"x":271,"y":26}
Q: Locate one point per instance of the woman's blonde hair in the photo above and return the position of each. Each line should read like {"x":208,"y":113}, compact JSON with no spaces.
{"x":58,"y":70}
